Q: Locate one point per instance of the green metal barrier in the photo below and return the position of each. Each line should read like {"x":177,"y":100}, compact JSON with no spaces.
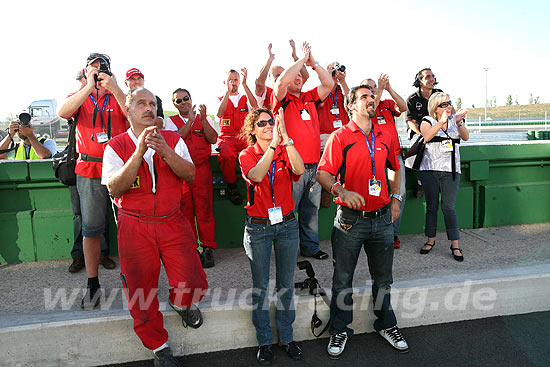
{"x":500,"y":185}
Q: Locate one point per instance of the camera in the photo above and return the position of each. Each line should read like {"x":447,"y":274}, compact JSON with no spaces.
{"x":310,"y":282}
{"x":338,"y":67}
{"x":103,"y":68}
{"x":24,"y":119}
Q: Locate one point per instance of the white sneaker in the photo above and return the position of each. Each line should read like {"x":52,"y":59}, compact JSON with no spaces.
{"x":336,"y":345}
{"x":394,"y":337}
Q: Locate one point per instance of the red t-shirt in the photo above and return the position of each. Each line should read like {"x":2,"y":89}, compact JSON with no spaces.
{"x":84,"y":143}
{"x":324,"y":110}
{"x":302,"y":123}
{"x":259,"y":194}
{"x":384,"y":118}
{"x":357,"y":162}
{"x":268,"y":101}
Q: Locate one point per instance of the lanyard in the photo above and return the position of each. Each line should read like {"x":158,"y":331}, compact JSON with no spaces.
{"x":96,"y":110}
{"x":371,"y":149}
{"x":271,"y":176}
{"x":335,"y":100}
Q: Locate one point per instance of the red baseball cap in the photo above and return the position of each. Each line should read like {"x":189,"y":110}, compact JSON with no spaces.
{"x":133,"y":71}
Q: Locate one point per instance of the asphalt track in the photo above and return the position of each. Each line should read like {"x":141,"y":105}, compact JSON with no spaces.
{"x":517,"y":340}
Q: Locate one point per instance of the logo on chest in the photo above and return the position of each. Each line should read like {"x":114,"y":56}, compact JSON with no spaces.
{"x":135,"y":185}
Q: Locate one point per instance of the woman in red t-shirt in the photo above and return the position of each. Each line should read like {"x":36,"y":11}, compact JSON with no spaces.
{"x":268,"y":168}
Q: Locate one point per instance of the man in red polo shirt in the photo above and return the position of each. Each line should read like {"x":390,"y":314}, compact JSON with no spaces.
{"x":135,"y":79}
{"x":386,"y":111}
{"x":198,"y":133}
{"x":100,"y":118}
{"x":302,"y":124}
{"x":232,"y":111}
{"x":264,"y":94}
{"x":352,"y":168}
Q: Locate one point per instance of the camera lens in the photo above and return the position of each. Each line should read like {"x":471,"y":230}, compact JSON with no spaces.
{"x":25,"y":118}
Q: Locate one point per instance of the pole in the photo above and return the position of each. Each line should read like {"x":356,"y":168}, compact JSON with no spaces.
{"x":486,"y":72}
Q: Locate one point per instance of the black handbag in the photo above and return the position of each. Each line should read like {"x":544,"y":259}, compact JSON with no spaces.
{"x":64,"y":163}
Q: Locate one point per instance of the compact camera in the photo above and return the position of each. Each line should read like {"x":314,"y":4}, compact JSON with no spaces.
{"x":338,"y":67}
{"x":103,"y":68}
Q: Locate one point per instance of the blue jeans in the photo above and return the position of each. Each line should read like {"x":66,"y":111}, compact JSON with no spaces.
{"x":94,"y":199}
{"x":375,"y":236}
{"x":306,"y":193}
{"x":435,"y":182}
{"x":258,"y":241}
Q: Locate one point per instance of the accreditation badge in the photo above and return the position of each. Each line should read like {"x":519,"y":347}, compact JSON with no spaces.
{"x":334,"y":109}
{"x":381,"y":120}
{"x":375,"y":187}
{"x":102,"y":137}
{"x":447,"y":145}
{"x":275,"y":215}
{"x":337,"y":124}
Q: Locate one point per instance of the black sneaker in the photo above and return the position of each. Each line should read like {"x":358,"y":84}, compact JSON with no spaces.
{"x":292,"y":349}
{"x":191,"y":316}
{"x":207,"y":258}
{"x":234,"y":194}
{"x":77,"y":265}
{"x":265,"y":355}
{"x":164,"y":358}
{"x":91,"y":299}
{"x":336,"y":345}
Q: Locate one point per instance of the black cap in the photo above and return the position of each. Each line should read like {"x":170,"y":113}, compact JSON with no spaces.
{"x":95,"y":56}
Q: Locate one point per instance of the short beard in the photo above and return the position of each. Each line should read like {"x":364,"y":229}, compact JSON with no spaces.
{"x":371,"y":113}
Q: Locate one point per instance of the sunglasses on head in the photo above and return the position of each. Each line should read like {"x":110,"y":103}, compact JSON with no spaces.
{"x":179,"y":100}
{"x":262,"y":123}
{"x":445,"y":104}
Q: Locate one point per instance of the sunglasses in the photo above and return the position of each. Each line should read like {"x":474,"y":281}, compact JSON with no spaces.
{"x":179,"y":100}
{"x":262,"y":123}
{"x":445,"y":104}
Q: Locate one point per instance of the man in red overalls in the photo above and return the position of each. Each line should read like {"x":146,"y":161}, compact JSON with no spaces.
{"x":232,"y":111}
{"x":197,"y":131}
{"x":143,"y":169}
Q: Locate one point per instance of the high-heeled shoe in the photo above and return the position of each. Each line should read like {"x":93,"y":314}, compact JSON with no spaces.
{"x":424,"y":251}
{"x":457,"y":257}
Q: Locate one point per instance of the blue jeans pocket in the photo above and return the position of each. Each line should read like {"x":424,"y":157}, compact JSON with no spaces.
{"x":387,"y":217}
{"x":347,"y":221}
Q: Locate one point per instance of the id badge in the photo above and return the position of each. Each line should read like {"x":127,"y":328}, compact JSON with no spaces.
{"x":101,"y":138}
{"x":375,"y":187}
{"x":334,"y":109}
{"x":381,"y":120}
{"x":275,"y":215}
{"x":337,"y":124}
{"x":305,"y":115}
{"x":447,"y":145}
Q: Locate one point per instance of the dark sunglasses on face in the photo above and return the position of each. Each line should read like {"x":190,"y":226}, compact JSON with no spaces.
{"x":179,"y":100}
{"x":262,"y":123}
{"x":445,"y":104}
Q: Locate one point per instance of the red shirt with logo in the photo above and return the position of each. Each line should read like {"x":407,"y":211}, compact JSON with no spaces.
{"x":259,"y":194}
{"x":324,"y":110}
{"x":385,"y":113}
{"x":302,"y":123}
{"x":85,"y":129}
{"x":347,"y":157}
{"x":233,"y":117}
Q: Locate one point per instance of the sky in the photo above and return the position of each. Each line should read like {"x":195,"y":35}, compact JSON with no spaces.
{"x":192,"y":44}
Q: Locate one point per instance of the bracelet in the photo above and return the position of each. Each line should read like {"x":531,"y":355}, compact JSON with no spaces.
{"x":333,"y":186}
{"x":272,"y":147}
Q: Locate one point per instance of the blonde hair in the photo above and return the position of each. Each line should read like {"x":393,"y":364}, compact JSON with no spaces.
{"x":435,"y":100}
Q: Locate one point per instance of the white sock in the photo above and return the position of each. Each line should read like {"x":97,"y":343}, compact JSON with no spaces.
{"x":165,"y":345}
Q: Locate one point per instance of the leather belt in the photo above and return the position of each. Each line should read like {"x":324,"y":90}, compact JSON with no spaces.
{"x":286,"y":218}
{"x":89,"y":158}
{"x":365,"y":214}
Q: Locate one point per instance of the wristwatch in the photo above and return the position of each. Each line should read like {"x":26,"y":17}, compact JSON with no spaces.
{"x":290,"y":142}
{"x":398,"y":197}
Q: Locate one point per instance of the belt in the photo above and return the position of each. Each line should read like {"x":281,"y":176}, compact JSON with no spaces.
{"x":365,"y":214}
{"x":147,"y":218}
{"x":286,"y":218}
{"x":310,"y":165}
{"x":89,"y":158}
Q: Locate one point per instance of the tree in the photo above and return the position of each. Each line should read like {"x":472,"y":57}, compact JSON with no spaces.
{"x":473,"y":106}
{"x":531,"y":98}
{"x":516,"y":102}
{"x":537,"y":100}
{"x":459,"y":103}
{"x":494,"y":101}
{"x":509,"y":100}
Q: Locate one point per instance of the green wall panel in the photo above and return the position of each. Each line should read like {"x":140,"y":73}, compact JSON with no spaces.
{"x":16,"y":243}
{"x":53,"y":234}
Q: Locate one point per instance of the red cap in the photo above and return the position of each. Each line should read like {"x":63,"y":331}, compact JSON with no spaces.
{"x":133,"y":71}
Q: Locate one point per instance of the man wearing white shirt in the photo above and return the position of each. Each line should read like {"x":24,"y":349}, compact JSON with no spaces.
{"x":198,"y":133}
{"x":143,"y":169}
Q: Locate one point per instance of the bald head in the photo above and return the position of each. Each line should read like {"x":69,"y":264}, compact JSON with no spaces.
{"x":275,"y":72}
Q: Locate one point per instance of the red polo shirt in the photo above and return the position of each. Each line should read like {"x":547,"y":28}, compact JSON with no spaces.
{"x":84,"y":130}
{"x":326,"y":117}
{"x":357,"y":164}
{"x":304,"y":132}
{"x":259,"y":194}
{"x":385,"y":113}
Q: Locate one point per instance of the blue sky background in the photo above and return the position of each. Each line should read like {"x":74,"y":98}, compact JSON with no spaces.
{"x":177,"y":44}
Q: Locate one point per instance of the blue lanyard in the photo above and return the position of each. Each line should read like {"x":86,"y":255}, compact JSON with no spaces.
{"x":371,"y":149}
{"x":271,"y":176}
{"x":335,"y":100}
{"x":102,"y":110}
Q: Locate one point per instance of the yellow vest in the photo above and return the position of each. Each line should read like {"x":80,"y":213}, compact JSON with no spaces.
{"x":21,"y":153}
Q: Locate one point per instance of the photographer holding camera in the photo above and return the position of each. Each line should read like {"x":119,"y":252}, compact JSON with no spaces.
{"x":32,"y":147}
{"x":100,"y":117}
